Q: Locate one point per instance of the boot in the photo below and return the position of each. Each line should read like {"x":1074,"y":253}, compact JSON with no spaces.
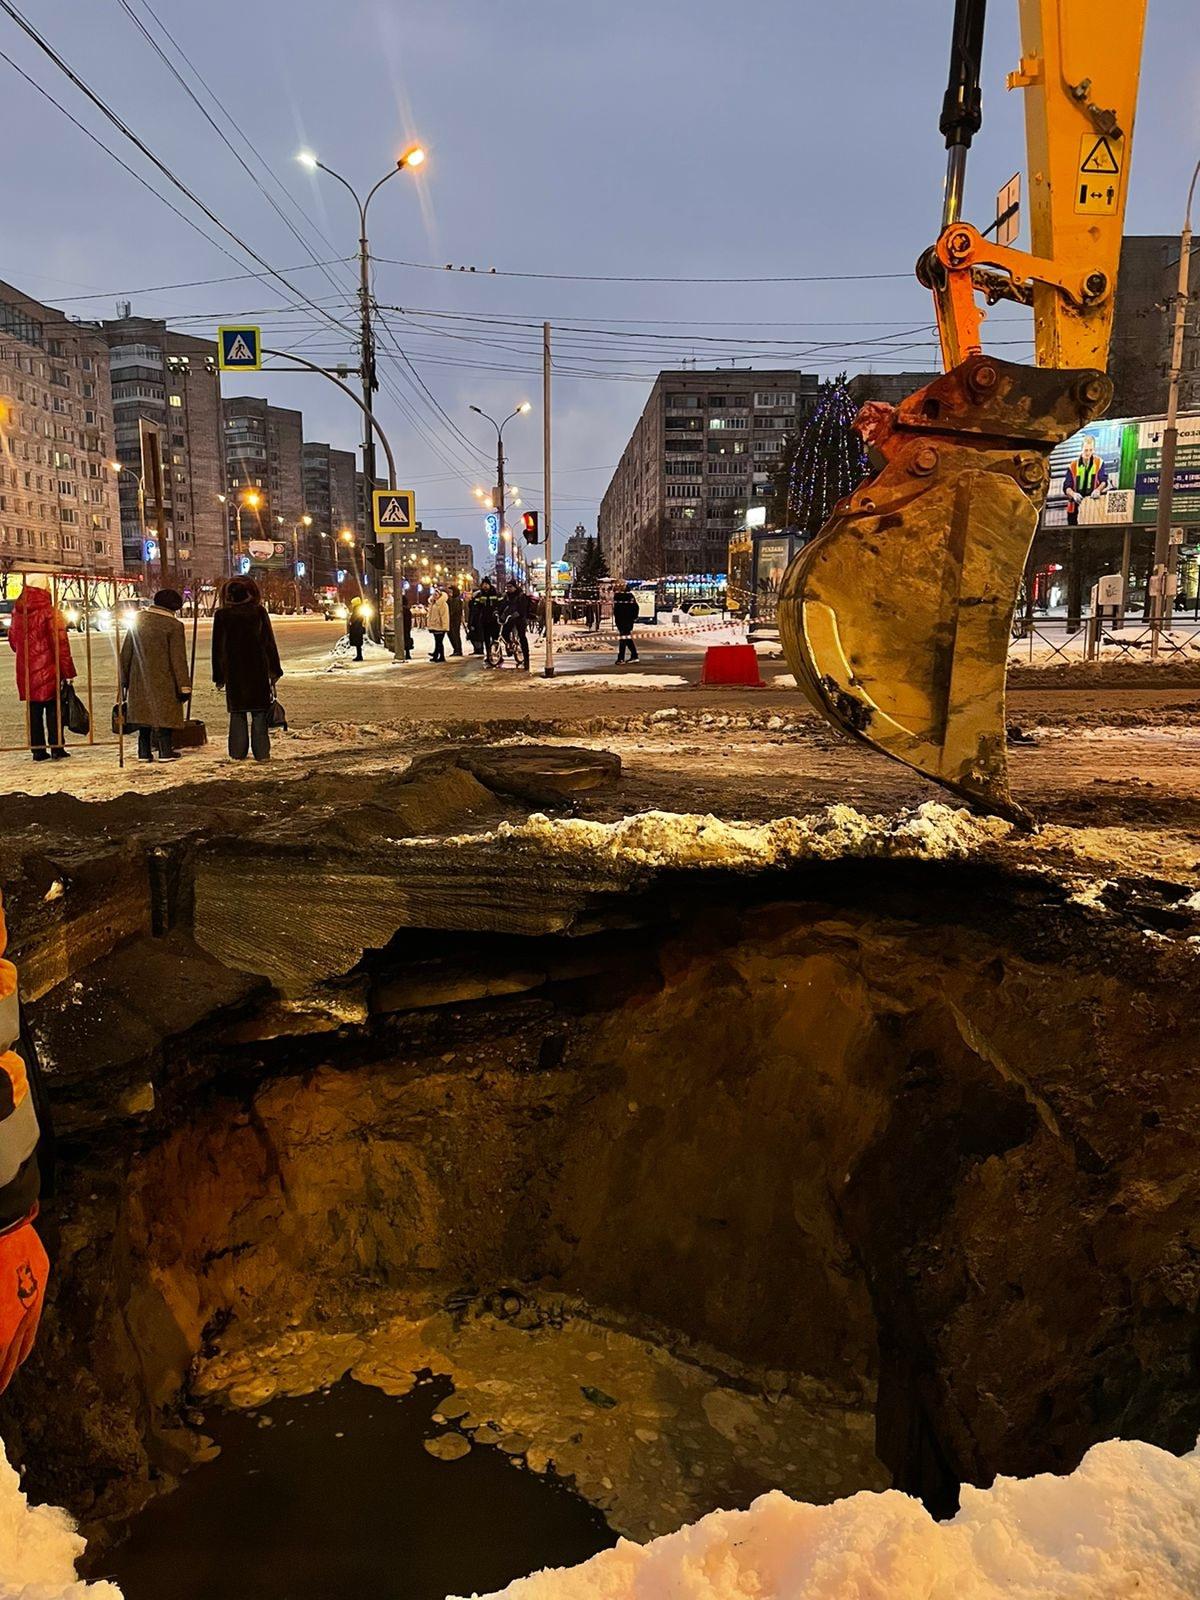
{"x":166,"y":750}
{"x":145,"y":753}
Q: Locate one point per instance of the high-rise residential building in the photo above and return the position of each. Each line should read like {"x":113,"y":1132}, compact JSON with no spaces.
{"x":700,"y":454}
{"x":264,"y":467}
{"x":330,"y":499}
{"x":58,"y":502}
{"x":1140,"y":353}
{"x":167,"y":415}
{"x":891,"y":387}
{"x":427,"y":557}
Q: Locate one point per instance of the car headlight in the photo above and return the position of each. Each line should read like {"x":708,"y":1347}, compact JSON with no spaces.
{"x":71,"y":615}
{"x":104,"y":620}
{"x":128,"y":619}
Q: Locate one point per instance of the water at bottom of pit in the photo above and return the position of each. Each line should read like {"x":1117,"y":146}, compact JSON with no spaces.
{"x":337,"y":1499}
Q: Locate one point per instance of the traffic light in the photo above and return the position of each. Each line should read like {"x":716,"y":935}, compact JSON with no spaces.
{"x":529,"y":527}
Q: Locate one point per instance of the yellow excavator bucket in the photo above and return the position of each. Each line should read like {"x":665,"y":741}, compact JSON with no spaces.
{"x":897,"y":617}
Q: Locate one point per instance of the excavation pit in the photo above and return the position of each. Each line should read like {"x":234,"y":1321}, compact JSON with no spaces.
{"x":854,"y":1173}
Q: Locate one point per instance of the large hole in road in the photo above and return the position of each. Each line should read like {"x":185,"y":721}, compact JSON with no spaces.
{"x":816,"y":1193}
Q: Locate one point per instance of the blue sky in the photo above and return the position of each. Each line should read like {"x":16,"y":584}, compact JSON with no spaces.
{"x":662,"y":139}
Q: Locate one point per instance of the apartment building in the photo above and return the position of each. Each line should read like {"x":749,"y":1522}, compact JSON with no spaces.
{"x":58,"y":499}
{"x":1140,"y":353}
{"x":330,"y":499}
{"x":264,"y":471}
{"x":167,"y":430}
{"x":700,"y":453}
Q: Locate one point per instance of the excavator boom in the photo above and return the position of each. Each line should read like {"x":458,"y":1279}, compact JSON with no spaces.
{"x":897,"y":618}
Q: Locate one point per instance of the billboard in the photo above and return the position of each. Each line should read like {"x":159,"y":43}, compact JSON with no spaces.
{"x":1107,"y":474}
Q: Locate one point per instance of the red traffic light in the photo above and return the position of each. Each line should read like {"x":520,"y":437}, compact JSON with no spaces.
{"x":529,"y":527}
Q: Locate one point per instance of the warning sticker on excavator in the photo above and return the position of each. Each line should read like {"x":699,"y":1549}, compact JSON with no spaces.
{"x":1098,"y":185}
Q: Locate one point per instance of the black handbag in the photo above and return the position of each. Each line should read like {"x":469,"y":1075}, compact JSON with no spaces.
{"x":74,"y":712}
{"x":277,"y":716}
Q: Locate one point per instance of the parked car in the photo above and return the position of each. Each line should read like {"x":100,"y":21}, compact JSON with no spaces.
{"x":6,"y":611}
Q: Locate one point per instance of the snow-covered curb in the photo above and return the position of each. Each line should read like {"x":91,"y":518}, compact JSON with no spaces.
{"x":932,"y":831}
{"x":1125,"y":1523}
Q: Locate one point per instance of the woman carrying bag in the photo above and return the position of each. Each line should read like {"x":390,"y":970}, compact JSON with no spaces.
{"x":246,"y":665}
{"x":155,"y":676}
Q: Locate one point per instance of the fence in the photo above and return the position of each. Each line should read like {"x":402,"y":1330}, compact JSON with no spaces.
{"x":82,"y":603}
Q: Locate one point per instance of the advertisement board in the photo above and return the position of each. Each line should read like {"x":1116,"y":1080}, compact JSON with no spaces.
{"x":771,"y":557}
{"x":1107,"y":475}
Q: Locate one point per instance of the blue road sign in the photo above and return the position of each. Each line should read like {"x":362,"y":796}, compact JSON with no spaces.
{"x":239,"y":349}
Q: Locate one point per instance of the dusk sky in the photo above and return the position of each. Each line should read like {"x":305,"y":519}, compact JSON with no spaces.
{"x":666,"y":139}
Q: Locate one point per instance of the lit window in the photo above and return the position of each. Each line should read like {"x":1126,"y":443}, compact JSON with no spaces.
{"x":175,"y":399}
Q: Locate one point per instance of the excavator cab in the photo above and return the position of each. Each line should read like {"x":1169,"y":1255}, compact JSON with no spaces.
{"x":897,"y":617}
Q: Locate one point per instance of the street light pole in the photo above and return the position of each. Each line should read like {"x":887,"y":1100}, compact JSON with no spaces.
{"x":413,"y":157}
{"x":1164,"y":552}
{"x":119,"y":467}
{"x":499,"y":498}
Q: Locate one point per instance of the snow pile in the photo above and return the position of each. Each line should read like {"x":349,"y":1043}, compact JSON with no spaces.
{"x":1126,"y":1523}
{"x":668,"y":839}
{"x":38,"y":1548}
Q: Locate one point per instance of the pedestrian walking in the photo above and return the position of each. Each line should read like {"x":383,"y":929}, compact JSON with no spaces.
{"x":517,"y":610}
{"x":455,"y":606}
{"x":155,"y":676}
{"x":438,"y":623}
{"x":625,"y":614}
{"x":485,"y":619}
{"x":246,"y":665}
{"x":38,"y":636}
{"x":356,"y":629}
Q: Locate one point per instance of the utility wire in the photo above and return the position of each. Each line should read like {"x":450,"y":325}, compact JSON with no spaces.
{"x":137,"y":22}
{"x":584,"y":277}
{"x":139,"y":144}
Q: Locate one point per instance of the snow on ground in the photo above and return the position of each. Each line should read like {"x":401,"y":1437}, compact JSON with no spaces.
{"x":1125,"y":1523}
{"x":667,"y":839}
{"x":38,"y":1549}
{"x":610,"y":680}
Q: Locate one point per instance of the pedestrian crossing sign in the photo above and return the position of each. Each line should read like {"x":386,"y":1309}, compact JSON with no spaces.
{"x":239,"y":349}
{"x":394,"y":511}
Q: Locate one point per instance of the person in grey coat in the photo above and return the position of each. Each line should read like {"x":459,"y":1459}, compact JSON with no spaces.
{"x":154,"y":673}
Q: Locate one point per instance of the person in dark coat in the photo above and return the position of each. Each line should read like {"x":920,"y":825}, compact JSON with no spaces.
{"x":246,"y":665}
{"x":38,"y":636}
{"x":407,"y":619}
{"x":518,"y":609}
{"x":625,"y":614}
{"x":455,"y":602}
{"x":356,"y":628}
{"x":155,"y":676}
{"x":485,"y":619}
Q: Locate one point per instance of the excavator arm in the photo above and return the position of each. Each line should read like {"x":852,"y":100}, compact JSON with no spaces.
{"x":897,"y":617}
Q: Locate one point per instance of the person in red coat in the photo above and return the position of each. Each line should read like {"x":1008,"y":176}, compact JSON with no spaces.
{"x":38,"y":636}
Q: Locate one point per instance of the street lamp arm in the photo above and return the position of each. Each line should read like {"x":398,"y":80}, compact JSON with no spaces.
{"x":362,"y":210}
{"x":286,"y":355}
{"x":375,"y":191}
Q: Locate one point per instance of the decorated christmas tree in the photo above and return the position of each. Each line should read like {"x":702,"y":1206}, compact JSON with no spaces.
{"x":820,"y":464}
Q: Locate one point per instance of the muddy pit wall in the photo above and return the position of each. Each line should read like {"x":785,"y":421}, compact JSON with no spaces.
{"x":920,"y":1133}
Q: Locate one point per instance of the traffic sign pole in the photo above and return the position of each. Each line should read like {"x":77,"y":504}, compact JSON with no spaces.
{"x":548,"y":593}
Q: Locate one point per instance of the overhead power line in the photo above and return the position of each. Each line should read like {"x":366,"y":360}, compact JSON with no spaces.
{"x":587,"y":277}
{"x":140,"y":145}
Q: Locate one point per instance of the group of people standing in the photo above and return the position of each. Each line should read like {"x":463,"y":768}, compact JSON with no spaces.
{"x":155,"y":687}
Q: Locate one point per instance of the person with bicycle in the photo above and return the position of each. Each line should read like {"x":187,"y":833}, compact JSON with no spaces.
{"x":485,"y":620}
{"x":518,"y":611}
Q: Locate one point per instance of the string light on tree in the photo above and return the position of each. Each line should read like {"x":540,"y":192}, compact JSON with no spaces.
{"x":825,"y":461}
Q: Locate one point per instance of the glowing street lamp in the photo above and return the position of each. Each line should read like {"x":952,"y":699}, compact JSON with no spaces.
{"x":497,"y":502}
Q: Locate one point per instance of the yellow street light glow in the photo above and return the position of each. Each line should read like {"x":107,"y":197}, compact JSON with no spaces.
{"x":307,"y":521}
{"x":252,"y":498}
{"x":346,"y":535}
{"x":307,"y":159}
{"x":478,"y":493}
{"x":413,"y":157}
{"x":525,"y":406}
{"x":115,"y":465}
